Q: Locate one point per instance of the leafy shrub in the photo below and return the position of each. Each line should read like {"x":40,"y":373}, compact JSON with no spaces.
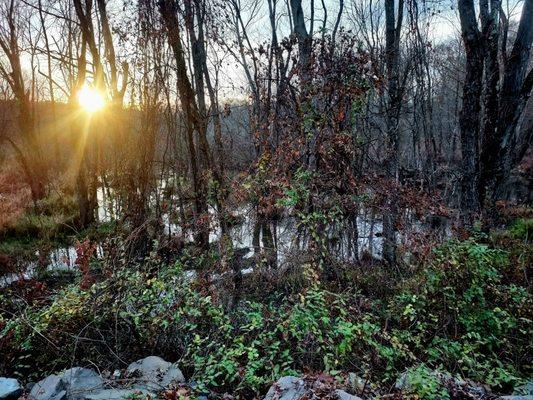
{"x":244,"y":349}
{"x":522,"y":229}
{"x":461,"y":313}
{"x":423,"y":384}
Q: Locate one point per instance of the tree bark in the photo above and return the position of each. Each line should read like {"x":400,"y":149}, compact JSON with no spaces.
{"x":300,"y":30}
{"x":469,"y":116}
{"x":393,"y":26}
{"x":489,"y":123}
{"x":167,"y":10}
{"x":29,"y":155}
{"x":515,"y":92}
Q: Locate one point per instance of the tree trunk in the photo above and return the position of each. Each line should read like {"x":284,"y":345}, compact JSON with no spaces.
{"x":167,"y":10}
{"x":393,"y":26}
{"x":515,"y":91}
{"x":489,"y":141}
{"x":29,"y":154}
{"x":469,"y":117}
{"x":299,"y":29}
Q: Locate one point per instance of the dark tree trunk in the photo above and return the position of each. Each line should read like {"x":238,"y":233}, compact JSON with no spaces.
{"x":85,"y":205}
{"x":29,"y":154}
{"x":299,"y":29}
{"x":515,"y":92}
{"x":268,"y":243}
{"x":256,"y":236}
{"x":393,"y":26}
{"x":488,"y":136}
{"x":167,"y":9}
{"x":503,"y":143}
{"x":35,"y":166}
{"x":469,"y":117}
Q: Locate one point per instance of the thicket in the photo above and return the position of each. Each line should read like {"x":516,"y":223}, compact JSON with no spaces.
{"x":467,"y":311}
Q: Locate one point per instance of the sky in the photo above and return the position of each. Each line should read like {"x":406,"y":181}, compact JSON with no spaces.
{"x":441,"y":21}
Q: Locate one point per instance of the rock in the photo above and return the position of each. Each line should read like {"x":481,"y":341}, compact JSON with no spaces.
{"x":401,"y":382}
{"x":287,"y":388}
{"x":524,"y":390}
{"x":356,"y":383}
{"x":10,"y":388}
{"x":154,"y":373}
{"x":448,"y":382}
{"x":519,"y":397}
{"x":72,"y":384}
{"x":117,"y":394}
{"x":342,"y":395}
{"x":50,"y":388}
{"x":80,"y":381}
{"x":292,"y":388}
{"x":474,"y":390}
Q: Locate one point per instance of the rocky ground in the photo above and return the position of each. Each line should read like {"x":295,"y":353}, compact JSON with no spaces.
{"x":153,"y":377}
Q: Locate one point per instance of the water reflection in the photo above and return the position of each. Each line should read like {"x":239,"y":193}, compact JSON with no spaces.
{"x":346,"y":241}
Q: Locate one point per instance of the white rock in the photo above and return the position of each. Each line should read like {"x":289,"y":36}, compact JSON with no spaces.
{"x":80,"y":381}
{"x":50,"y":388}
{"x":72,"y":384}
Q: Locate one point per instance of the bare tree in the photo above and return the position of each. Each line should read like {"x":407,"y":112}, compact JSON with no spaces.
{"x":495,"y":124}
{"x":194,"y":121}
{"x":393,"y":27}
{"x":513,"y":142}
{"x":28,"y":152}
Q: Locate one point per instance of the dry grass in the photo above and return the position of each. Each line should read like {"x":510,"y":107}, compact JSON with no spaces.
{"x":15,"y":196}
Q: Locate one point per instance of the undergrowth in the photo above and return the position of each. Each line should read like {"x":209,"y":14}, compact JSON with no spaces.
{"x":467,"y":312}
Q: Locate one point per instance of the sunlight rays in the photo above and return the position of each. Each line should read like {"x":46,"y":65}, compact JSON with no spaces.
{"x":90,"y":99}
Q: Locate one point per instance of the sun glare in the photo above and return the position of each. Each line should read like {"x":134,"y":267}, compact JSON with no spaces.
{"x":90,"y":99}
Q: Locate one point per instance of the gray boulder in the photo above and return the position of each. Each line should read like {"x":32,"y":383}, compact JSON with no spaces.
{"x":9,"y":388}
{"x":117,"y":394}
{"x":80,"y":381}
{"x":50,"y":388}
{"x":356,"y":383}
{"x":293,"y":388}
{"x":524,"y":390}
{"x":342,"y":395}
{"x":513,"y":397}
{"x":287,"y":388}
{"x":447,"y":381}
{"x":154,"y":373}
{"x":401,"y":383}
{"x":72,"y":384}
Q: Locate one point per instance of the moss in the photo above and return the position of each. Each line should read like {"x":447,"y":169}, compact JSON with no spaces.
{"x":23,"y":247}
{"x":522,"y":229}
{"x":98,"y":231}
{"x":49,"y":222}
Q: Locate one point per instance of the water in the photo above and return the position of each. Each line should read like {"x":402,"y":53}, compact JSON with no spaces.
{"x":59,"y":259}
{"x":288,"y":237}
{"x":108,"y":208}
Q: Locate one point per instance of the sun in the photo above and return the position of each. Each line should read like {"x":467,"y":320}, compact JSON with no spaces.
{"x":90,"y":99}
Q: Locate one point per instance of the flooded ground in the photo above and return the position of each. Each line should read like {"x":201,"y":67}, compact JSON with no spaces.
{"x":346,"y":242}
